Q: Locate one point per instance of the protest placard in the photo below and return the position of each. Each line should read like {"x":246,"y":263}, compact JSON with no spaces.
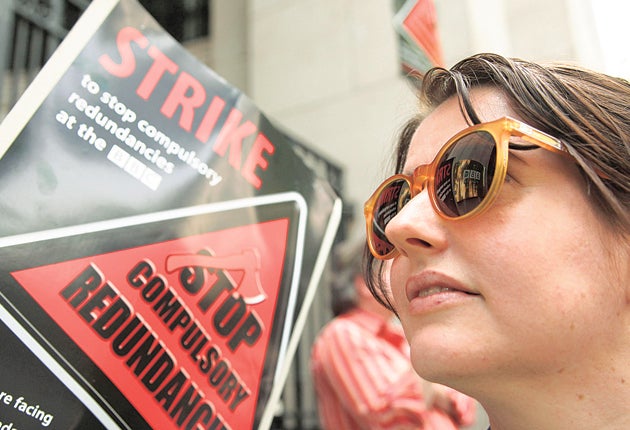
{"x":161,"y":240}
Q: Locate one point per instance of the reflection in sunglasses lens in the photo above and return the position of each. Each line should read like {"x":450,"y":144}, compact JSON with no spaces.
{"x":391,"y":199}
{"x":464,"y":174}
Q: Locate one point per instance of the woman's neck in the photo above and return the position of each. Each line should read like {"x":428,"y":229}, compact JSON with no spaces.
{"x":599,"y":400}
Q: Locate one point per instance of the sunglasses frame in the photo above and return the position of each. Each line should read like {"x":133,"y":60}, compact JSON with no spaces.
{"x":423,"y":176}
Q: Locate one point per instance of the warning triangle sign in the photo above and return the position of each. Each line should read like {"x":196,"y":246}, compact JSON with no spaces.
{"x":182,"y":327}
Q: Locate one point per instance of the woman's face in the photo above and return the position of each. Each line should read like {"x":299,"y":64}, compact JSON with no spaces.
{"x":525,"y":290}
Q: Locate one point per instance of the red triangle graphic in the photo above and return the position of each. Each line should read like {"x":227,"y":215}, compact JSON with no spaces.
{"x":181,"y":327}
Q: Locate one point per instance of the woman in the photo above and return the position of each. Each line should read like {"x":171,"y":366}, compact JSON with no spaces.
{"x":511,"y":241}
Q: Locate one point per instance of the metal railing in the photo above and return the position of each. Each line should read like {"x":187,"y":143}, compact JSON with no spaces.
{"x":30,"y":31}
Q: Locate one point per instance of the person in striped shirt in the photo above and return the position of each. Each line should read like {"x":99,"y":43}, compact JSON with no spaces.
{"x":360,"y":365}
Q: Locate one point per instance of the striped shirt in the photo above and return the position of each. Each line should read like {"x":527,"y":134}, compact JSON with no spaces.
{"x":364,"y":380}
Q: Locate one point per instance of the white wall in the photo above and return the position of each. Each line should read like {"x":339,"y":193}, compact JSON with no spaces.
{"x":538,"y":30}
{"x":328,"y":71}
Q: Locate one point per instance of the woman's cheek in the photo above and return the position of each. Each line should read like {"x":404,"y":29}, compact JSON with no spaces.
{"x":397,"y":284}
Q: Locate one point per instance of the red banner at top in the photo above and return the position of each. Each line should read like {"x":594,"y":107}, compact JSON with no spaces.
{"x":420,"y":24}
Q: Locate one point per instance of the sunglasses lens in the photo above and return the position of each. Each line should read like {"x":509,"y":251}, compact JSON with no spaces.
{"x":464,"y":174}
{"x":389,"y":202}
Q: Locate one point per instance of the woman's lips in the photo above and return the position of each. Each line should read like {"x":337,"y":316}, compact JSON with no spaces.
{"x":430,"y":289}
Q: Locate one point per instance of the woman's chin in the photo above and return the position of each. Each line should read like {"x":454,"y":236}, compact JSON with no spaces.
{"x":440,"y":358}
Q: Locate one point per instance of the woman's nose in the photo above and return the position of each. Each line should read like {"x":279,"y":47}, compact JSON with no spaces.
{"x":417,"y":228}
